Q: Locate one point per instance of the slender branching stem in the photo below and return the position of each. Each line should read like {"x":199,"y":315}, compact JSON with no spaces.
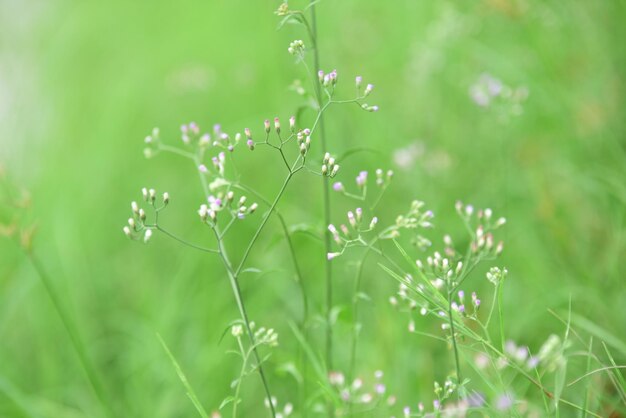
{"x":326,"y":194}
{"x":244,"y":356}
{"x":232,"y":278}
{"x":182,"y":241}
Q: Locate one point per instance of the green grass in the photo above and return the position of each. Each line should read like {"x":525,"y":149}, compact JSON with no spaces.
{"x":82,"y":83}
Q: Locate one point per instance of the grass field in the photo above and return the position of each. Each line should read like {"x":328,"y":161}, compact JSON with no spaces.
{"x":82,"y":84}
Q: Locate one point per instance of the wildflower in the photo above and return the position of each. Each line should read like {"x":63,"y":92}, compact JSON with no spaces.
{"x":237,"y":331}
{"x":504,"y":402}
{"x":338,"y":187}
{"x":250,"y":144}
{"x":166,"y":198}
{"x":126,"y":231}
{"x":358,"y":80}
{"x":147,"y":235}
{"x":292,"y":124}
{"x":203,"y":168}
{"x":361,"y":179}
{"x":373,"y":222}
{"x":368,"y":90}
{"x":277,"y":125}
{"x":336,"y":378}
{"x":330,"y":256}
{"x":203,"y":212}
{"x":296,"y":48}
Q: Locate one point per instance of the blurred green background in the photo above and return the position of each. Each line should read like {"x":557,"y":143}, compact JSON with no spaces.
{"x":83,"y":82}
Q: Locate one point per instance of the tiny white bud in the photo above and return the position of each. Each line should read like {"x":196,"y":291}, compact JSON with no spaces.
{"x":135,"y":207}
{"x":126,"y":231}
{"x":203,"y":212}
{"x":335,"y":170}
{"x":147,"y":235}
{"x":142,"y":214}
{"x":166,"y":198}
{"x":144,"y":192}
{"x":351,"y":219}
{"x":253,"y":207}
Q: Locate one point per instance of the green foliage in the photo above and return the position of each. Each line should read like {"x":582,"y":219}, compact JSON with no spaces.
{"x":81,"y":83}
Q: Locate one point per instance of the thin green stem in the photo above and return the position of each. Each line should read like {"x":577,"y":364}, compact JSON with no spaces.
{"x":232,"y":277}
{"x":246,"y":253}
{"x":355,"y":314}
{"x":244,"y":356}
{"x":500,"y":317}
{"x":453,"y":337}
{"x":326,"y":194}
{"x":182,"y":241}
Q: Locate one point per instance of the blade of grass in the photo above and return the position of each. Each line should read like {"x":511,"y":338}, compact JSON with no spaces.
{"x":190,"y":392}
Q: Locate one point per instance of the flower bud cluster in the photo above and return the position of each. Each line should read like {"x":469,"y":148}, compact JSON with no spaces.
{"x":330,"y":168}
{"x":152,"y":142}
{"x":383,"y":179}
{"x":357,"y":392}
{"x":488,"y":91}
{"x":286,"y":411}
{"x":218,"y":164}
{"x":520,"y":355}
{"x":327,"y":80}
{"x":496,"y":275}
{"x":220,"y":139}
{"x":191,"y":135}
{"x":483,"y":224}
{"x":460,"y":306}
{"x":225,"y":201}
{"x":405,"y":303}
{"x":303,"y":136}
{"x":137,"y":228}
{"x":264,"y":336}
{"x":415,"y":218}
{"x":283,"y":9}
{"x":296,"y":48}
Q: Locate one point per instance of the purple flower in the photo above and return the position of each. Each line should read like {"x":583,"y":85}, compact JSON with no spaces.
{"x":504,"y":402}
